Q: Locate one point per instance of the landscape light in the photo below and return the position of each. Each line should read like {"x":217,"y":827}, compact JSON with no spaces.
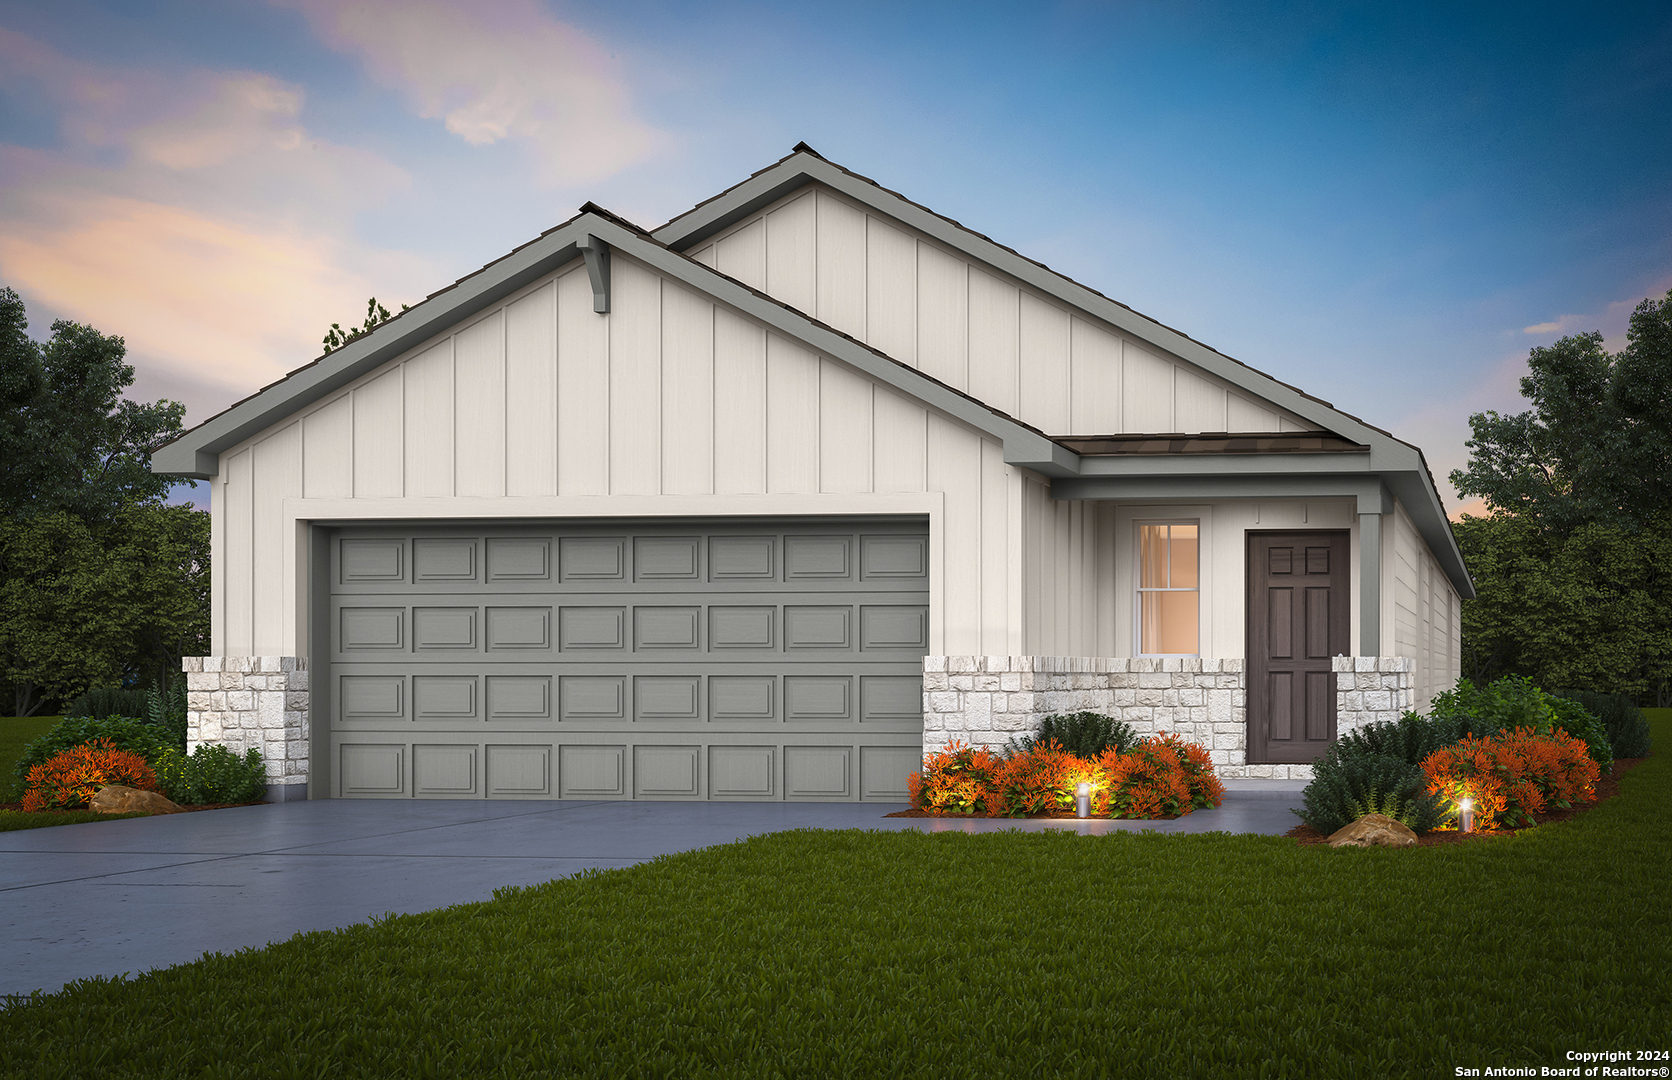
{"x":1082,"y":799}
{"x":1468,"y":806}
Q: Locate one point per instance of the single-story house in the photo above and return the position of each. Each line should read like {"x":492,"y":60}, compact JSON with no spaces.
{"x":770,"y":501}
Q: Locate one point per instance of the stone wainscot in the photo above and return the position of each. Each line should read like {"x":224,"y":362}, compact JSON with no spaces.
{"x":989,"y":700}
{"x":253,"y":702}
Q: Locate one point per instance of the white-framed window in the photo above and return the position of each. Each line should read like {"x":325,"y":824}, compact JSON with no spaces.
{"x":1169,"y":602}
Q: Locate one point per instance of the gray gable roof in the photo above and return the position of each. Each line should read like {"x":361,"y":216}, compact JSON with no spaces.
{"x":1389,"y":465}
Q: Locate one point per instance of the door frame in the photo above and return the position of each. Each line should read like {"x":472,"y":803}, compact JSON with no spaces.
{"x":1256,"y":714}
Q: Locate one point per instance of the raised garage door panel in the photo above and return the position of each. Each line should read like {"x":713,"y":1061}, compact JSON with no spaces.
{"x":686,"y":660}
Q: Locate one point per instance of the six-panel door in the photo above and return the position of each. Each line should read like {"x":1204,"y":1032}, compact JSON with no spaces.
{"x":693,"y":660}
{"x":1298,"y":608}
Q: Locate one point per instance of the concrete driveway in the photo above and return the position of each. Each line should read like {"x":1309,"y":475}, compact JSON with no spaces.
{"x":115,"y":897}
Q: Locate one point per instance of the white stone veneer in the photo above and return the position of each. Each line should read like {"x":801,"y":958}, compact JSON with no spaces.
{"x":988,"y":700}
{"x":253,"y":702}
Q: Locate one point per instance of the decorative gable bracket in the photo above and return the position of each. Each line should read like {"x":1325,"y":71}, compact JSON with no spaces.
{"x":597,"y":256}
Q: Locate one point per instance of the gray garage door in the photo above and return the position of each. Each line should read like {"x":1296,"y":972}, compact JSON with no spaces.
{"x":688,"y":660}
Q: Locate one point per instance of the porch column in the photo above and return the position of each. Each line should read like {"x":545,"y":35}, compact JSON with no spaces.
{"x":1371,"y":507}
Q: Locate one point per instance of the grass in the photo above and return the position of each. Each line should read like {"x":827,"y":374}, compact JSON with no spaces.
{"x":816,"y":953}
{"x":12,"y":820}
{"x":16,"y":732}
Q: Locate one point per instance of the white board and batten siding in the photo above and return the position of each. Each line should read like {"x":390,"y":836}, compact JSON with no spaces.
{"x":972,"y":327}
{"x":671,"y":394}
{"x":1422,"y":613}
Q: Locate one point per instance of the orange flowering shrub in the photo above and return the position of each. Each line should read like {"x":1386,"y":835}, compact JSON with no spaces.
{"x":1162,"y":776}
{"x":957,"y":780}
{"x":1043,"y":778}
{"x":1511,"y":776}
{"x":75,"y":775}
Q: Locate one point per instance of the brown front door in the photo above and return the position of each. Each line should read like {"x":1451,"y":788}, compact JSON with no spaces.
{"x":1297,"y":619}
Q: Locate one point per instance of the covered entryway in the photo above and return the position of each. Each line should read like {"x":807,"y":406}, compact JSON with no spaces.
{"x":694,"y":659}
{"x":1298,"y":608}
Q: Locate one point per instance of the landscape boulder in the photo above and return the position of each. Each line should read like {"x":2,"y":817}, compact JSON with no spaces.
{"x":121,"y":799}
{"x":1373,"y":830}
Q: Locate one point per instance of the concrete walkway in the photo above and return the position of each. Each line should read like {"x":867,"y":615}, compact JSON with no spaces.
{"x":115,"y":897}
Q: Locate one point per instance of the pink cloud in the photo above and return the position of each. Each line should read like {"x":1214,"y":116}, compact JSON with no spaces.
{"x":195,"y":215}
{"x":495,"y":70}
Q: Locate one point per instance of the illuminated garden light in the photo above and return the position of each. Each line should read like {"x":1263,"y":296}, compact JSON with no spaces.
{"x":1468,"y":808}
{"x":1082,"y":799}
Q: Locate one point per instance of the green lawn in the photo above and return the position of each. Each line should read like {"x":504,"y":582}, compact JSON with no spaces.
{"x":16,"y":732}
{"x":879,"y":954}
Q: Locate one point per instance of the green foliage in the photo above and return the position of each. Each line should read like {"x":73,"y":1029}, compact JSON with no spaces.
{"x":1514,"y":702}
{"x":1591,"y":609}
{"x":69,"y":441}
{"x":376,"y":315}
{"x":108,"y":701}
{"x":1411,"y":738}
{"x":1624,"y":723}
{"x":1083,"y":734}
{"x":813,"y":952}
{"x":16,"y":732}
{"x":1345,"y":787}
{"x":1596,"y":448}
{"x":210,"y":774}
{"x":124,"y":733}
{"x":166,"y":709}
{"x":85,"y":605}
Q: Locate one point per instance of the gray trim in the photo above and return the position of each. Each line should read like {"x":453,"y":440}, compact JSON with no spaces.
{"x":1023,"y":445}
{"x":1367,"y":490}
{"x":320,"y":773}
{"x":285,"y":793}
{"x":1390,"y":456}
{"x":597,"y":255}
{"x":1370,"y":583}
{"x":196,"y":453}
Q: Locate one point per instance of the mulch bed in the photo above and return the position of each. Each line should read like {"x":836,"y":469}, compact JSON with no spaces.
{"x":1607,"y":787}
{"x":1041,"y":814}
{"x":184,"y":809}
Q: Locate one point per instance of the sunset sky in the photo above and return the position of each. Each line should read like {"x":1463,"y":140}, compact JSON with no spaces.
{"x":1385,"y":205}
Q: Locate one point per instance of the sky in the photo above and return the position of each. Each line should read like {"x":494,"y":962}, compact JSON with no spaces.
{"x":1386,"y":205}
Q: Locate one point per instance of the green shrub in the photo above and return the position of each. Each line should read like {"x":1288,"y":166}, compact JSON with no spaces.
{"x":211,"y":774}
{"x":1346,"y":787}
{"x":1411,"y":738}
{"x":1627,"y":729}
{"x":107,"y":702}
{"x":1083,"y":734}
{"x":166,"y":709}
{"x":124,"y":733}
{"x":1513,"y":702}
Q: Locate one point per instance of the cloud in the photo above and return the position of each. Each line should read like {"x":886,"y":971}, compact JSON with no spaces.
{"x":1545,"y":327}
{"x":234,"y":305}
{"x":494,"y":70}
{"x":192,"y":213}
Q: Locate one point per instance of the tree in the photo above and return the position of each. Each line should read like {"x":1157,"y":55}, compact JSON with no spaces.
{"x":100,"y":583}
{"x":68,"y":440}
{"x":1574,"y":566}
{"x":1597,"y":445}
{"x":83,"y":606}
{"x":376,"y":315}
{"x":1589,"y":611}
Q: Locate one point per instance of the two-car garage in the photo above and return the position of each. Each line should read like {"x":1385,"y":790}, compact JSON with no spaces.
{"x":726,"y":659}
